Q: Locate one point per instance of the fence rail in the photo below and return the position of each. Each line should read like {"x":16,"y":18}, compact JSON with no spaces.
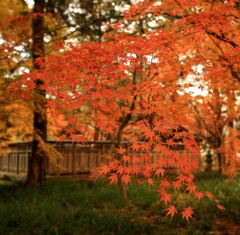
{"x":15,"y":162}
{"x":76,"y":158}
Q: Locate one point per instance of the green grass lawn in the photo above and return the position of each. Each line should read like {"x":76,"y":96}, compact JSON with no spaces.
{"x":68,"y":207}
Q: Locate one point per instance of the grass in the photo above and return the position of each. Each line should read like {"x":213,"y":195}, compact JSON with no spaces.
{"x":74,"y":208}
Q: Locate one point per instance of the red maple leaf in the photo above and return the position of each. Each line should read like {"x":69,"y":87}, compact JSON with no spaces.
{"x":165,"y":183}
{"x":149,"y":134}
{"x":177,"y":184}
{"x":166,"y":198}
{"x":221,"y":207}
{"x":191,"y":188}
{"x":127,"y":170}
{"x":170,"y":142}
{"x":210,"y":195}
{"x":136,"y":146}
{"x":104,"y":169}
{"x":189,"y":179}
{"x":145,"y":146}
{"x":198,"y":195}
{"x":120,"y":170}
{"x":147,"y":173}
{"x":113,"y":178}
{"x":150,"y":181}
{"x":181,"y":178}
{"x":135,"y":160}
{"x":125,"y":159}
{"x":159,"y":172}
{"x":171,"y":211}
{"x":114,"y":164}
{"x":187,"y":213}
{"x":121,"y":150}
{"x":136,"y":170}
{"x":125,"y":179}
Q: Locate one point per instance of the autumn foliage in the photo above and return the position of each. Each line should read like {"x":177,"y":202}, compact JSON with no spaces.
{"x":130,"y":88}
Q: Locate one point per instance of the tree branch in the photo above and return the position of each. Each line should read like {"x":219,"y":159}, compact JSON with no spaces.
{"x":223,"y":38}
{"x":128,"y":117}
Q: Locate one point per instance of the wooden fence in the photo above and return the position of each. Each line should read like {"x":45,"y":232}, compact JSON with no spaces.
{"x":76,"y":158}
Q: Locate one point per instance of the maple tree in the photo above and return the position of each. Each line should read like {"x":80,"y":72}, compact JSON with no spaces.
{"x":131,"y":86}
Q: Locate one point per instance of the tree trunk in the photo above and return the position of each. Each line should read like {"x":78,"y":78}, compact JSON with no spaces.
{"x":123,"y":189}
{"x":37,"y":160}
{"x":209,"y":161}
{"x":220,"y":163}
{"x":220,"y":156}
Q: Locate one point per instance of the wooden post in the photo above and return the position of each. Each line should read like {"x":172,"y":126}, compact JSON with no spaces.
{"x":8,"y":162}
{"x":17,"y":165}
{"x":89,"y":156}
{"x":73,"y":159}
